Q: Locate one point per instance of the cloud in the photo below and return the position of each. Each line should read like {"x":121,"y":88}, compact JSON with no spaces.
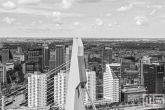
{"x":28,"y":2}
{"x":153,"y":12}
{"x":141,"y":21}
{"x":57,"y":17}
{"x":98,"y":22}
{"x":67,"y":4}
{"x":108,"y":15}
{"x":76,"y":23}
{"x":87,"y":1}
{"x":155,"y":6}
{"x":125,"y":8}
{"x":57,"y":14}
{"x":9,"y":5}
{"x":9,"y":20}
{"x":64,"y":4}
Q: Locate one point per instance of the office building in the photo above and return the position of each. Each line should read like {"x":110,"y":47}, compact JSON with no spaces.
{"x":37,"y":59}
{"x":60,"y":89}
{"x":46,"y":56}
{"x":153,"y":78}
{"x":106,"y":57}
{"x":110,"y":85}
{"x":133,"y":93}
{"x":59,"y":56}
{"x":3,"y":73}
{"x":6,"y":55}
{"x":91,"y":86}
{"x":37,"y":90}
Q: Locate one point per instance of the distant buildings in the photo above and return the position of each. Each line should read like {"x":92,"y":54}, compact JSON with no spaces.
{"x":91,"y":86}
{"x":60,"y":89}
{"x":37,"y":90}
{"x":110,"y":85}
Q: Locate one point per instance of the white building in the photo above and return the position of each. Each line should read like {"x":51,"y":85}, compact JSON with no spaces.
{"x":110,"y":84}
{"x":9,"y":65}
{"x":2,"y":73}
{"x":37,"y":90}
{"x":19,"y":57}
{"x":91,"y":86}
{"x":60,"y":88}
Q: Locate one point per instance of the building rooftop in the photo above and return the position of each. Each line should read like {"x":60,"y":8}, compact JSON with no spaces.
{"x":114,"y":64}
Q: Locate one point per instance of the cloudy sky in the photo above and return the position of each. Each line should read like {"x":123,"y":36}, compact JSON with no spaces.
{"x":82,"y":18}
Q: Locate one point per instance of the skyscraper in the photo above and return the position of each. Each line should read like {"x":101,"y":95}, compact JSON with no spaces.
{"x":110,"y":85}
{"x":37,"y":59}
{"x":59,"y":55}
{"x":106,"y":57}
{"x":60,"y":89}
{"x":46,"y":56}
{"x":37,"y":90}
{"x":153,"y":78}
{"x":6,"y":55}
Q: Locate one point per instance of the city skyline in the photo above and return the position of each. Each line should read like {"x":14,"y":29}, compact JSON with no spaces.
{"x":85,"y":18}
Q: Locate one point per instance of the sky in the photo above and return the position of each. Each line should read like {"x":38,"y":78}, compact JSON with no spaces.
{"x":82,"y":18}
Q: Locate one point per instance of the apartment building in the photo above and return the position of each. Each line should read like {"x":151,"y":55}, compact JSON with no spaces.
{"x":110,"y":85}
{"x":60,"y":88}
{"x":37,"y":90}
{"x":91,"y":86}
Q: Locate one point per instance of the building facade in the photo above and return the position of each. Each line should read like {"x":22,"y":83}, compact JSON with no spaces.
{"x":37,"y":90}
{"x":110,"y":85}
{"x":37,"y":59}
{"x":91,"y":86}
{"x":3,"y":78}
{"x":106,"y":57}
{"x":6,"y":55}
{"x":153,"y":78}
{"x":60,"y":89}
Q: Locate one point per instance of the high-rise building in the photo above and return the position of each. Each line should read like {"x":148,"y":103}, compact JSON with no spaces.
{"x":60,"y":89}
{"x":68,"y":56}
{"x":59,"y":60}
{"x":6,"y":55}
{"x":153,"y":78}
{"x":106,"y":57}
{"x":19,"y":49}
{"x":91,"y":86}
{"x":46,"y":56}
{"x":37,"y":90}
{"x":110,"y":85}
{"x":3,"y":78}
{"x":37,"y":59}
{"x":59,"y":56}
